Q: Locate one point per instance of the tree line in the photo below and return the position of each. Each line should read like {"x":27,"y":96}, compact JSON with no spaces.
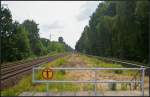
{"x":21,"y":41}
{"x":118,"y":29}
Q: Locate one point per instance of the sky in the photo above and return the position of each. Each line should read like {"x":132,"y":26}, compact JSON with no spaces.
{"x":58,"y":18}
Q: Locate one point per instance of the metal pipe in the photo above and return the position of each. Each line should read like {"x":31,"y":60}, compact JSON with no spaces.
{"x":47,"y":88}
{"x":91,"y":68}
{"x":95,"y":82}
{"x":142,"y":81}
{"x":83,"y":81}
{"x":33,"y":74}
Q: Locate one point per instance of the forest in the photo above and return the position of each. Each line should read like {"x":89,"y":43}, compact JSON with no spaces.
{"x":118,"y":29}
{"x":22,"y":41}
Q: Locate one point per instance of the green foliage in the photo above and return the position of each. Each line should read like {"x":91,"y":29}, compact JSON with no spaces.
{"x":124,"y":86}
{"x":99,"y":63}
{"x":23,"y":85}
{"x":58,"y":47}
{"x":6,"y":29}
{"x":112,"y":86}
{"x":22,"y":41}
{"x":118,"y":71}
{"x":60,"y":39}
{"x":59,"y":62}
{"x":117,"y":29}
{"x":35,"y":43}
{"x":14,"y":39}
{"x":26,"y":83}
{"x":45,"y":43}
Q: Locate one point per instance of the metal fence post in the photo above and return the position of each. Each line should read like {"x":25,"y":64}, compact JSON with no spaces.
{"x":47,"y":88}
{"x":143,"y":73}
{"x":142,"y":80}
{"x":95,"y":83}
{"x":33,"y":74}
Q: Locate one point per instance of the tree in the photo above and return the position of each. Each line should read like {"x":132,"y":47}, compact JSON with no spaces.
{"x":45,"y":42}
{"x":15,"y":42}
{"x":20,"y":43}
{"x":6,"y":32}
{"x":117,"y":29}
{"x":60,"y":39}
{"x":35,"y":43}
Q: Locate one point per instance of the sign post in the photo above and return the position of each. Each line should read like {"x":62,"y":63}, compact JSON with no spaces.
{"x":47,"y":74}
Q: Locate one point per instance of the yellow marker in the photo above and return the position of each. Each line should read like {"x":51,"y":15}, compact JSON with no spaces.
{"x":47,"y":73}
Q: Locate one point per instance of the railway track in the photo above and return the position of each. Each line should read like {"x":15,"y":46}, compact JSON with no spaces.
{"x":4,"y":66}
{"x":15,"y":67}
{"x":12,"y":73}
{"x":122,"y":62}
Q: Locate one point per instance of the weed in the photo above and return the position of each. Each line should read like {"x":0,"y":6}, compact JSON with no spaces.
{"x":118,"y":71}
{"x":25,"y":84}
{"x":124,"y":86}
{"x":112,"y":86}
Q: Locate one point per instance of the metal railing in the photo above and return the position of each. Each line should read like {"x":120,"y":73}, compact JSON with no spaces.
{"x":95,"y":81}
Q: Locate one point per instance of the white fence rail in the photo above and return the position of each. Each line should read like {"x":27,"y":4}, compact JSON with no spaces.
{"x":95,"y":81}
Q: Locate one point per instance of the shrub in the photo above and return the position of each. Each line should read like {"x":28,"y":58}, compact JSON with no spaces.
{"x":123,"y":86}
{"x":112,"y":86}
{"x":118,"y":71}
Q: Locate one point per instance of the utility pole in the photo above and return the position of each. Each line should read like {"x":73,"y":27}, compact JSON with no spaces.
{"x":50,"y":36}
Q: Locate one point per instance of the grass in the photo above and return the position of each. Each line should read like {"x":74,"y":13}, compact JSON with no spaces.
{"x":23,"y":85}
{"x":58,"y":75}
{"x":59,"y":62}
{"x":53,"y":53}
{"x":124,"y":86}
{"x":112,"y":86}
{"x":99,"y":63}
{"x":26,"y":83}
{"x":94,"y":62}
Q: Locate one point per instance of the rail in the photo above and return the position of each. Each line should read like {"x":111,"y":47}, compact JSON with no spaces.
{"x":118,"y":61}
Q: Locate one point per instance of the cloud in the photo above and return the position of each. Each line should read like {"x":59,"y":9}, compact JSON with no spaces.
{"x":52,"y":26}
{"x":54,"y":29}
{"x":53,"y":17}
{"x":86,"y":10}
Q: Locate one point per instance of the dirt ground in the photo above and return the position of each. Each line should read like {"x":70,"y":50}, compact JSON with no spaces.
{"x":75,"y":61}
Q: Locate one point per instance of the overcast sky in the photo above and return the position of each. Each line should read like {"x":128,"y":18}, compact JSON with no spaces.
{"x":60,"y":18}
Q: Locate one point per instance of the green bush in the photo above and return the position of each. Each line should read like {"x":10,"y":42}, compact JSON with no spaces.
{"x":124,"y":86}
{"x":118,"y":71}
{"x":63,"y":72}
{"x":112,"y":86}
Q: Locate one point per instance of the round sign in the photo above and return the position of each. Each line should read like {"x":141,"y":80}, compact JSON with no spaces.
{"x":47,"y":73}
